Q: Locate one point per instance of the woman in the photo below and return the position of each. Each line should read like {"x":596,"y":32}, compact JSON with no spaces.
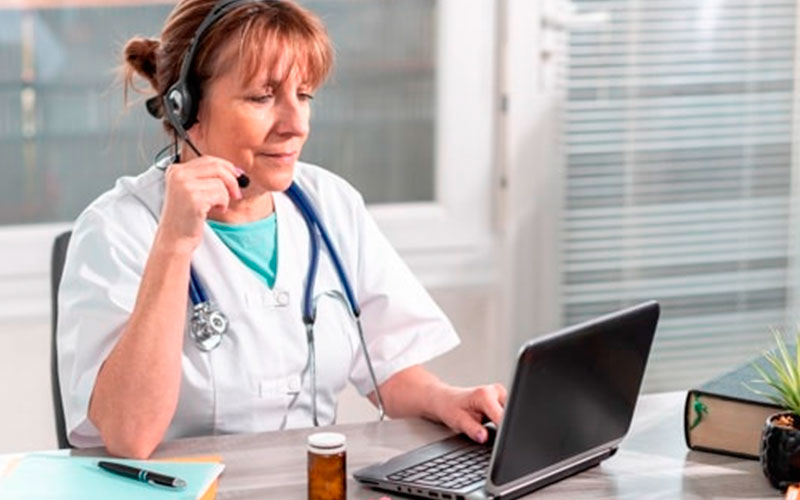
{"x":130,"y":375}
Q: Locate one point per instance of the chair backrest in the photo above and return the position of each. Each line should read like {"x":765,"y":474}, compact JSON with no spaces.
{"x":56,"y":269}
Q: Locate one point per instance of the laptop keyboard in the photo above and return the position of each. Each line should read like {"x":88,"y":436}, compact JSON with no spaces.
{"x":453,"y":470}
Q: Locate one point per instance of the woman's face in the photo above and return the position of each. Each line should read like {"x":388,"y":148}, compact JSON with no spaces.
{"x":259,"y":126}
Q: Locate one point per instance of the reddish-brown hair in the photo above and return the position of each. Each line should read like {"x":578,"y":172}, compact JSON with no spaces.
{"x":267,"y":32}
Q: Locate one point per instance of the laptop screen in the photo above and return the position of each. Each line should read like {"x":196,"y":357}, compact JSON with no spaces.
{"x":573,"y":391}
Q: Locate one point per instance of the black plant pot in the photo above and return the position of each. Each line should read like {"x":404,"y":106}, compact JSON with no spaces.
{"x":779,"y":452}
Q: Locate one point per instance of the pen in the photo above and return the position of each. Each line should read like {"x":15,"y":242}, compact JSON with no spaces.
{"x":146,"y":476}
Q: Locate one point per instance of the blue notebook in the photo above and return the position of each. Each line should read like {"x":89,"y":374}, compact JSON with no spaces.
{"x":63,"y":477}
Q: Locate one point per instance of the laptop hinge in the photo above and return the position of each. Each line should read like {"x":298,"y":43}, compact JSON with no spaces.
{"x":557,"y":475}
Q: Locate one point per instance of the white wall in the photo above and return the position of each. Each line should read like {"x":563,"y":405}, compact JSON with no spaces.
{"x":528,"y":159}
{"x":26,"y":418}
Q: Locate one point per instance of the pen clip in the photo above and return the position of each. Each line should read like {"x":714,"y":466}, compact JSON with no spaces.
{"x":177,"y":483}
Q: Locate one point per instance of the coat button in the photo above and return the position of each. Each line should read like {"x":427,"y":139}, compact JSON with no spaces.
{"x":293,"y":385}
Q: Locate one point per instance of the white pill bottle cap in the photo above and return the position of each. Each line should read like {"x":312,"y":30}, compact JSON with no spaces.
{"x":326,"y":443}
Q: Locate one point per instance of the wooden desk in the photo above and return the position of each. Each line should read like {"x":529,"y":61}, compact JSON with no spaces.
{"x":653,"y":461}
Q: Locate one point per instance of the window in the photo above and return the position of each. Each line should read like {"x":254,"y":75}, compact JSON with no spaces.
{"x":374,"y":122}
{"x":406,"y":119}
{"x":678,"y":150}
{"x":69,"y":137}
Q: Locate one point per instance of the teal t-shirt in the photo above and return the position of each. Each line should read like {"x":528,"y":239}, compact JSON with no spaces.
{"x":255,"y":243}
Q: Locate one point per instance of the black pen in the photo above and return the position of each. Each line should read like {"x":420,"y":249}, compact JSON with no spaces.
{"x":146,"y":476}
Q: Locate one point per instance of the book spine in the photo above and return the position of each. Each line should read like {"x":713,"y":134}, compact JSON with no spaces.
{"x":686,"y":405}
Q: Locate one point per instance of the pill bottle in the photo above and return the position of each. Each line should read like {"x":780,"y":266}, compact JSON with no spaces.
{"x":327,"y":466}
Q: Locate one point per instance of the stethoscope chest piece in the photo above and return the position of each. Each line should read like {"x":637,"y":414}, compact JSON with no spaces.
{"x":207,"y":326}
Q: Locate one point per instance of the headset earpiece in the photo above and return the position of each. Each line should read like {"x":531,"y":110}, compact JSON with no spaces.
{"x":179,"y":102}
{"x":179,"y":106}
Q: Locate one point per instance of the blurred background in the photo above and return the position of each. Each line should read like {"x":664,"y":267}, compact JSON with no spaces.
{"x":536,"y":163}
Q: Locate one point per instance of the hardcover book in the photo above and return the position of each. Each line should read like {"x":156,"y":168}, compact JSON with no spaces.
{"x":724,"y":416}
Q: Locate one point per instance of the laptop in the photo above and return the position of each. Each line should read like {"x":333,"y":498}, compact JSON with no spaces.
{"x":570,"y":404}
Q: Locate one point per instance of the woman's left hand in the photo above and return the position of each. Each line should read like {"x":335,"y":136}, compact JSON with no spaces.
{"x":463,"y":408}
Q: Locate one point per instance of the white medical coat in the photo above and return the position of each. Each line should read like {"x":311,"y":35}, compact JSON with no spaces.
{"x":246,"y":384}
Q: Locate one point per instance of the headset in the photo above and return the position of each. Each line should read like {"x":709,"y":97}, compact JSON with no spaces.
{"x":180,"y":101}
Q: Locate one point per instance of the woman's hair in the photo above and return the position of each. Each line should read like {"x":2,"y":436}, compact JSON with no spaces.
{"x":266,"y":31}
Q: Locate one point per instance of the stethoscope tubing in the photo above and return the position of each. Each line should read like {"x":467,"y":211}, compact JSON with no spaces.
{"x":312,"y":219}
{"x":312,"y":222}
{"x":196,"y":290}
{"x":316,"y":230}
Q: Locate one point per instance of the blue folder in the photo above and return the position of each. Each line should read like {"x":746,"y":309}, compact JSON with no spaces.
{"x":62,"y":477}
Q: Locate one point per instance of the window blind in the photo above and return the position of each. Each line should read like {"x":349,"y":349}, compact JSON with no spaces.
{"x":677,"y":136}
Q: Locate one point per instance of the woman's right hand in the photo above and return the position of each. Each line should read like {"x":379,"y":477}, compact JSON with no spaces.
{"x":194,"y":188}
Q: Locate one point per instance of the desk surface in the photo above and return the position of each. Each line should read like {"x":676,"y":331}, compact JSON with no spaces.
{"x":653,"y":461}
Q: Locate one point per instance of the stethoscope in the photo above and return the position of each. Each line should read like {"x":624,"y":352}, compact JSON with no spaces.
{"x":208,"y":324}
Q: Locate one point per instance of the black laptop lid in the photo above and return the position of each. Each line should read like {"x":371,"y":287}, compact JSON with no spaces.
{"x":574,"y":391}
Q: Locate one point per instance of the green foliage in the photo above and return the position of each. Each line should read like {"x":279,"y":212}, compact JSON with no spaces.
{"x":784,"y":378}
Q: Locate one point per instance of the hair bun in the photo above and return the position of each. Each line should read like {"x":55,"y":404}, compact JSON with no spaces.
{"x":140,"y":55}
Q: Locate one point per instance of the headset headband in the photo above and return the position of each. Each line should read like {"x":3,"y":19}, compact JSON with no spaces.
{"x":178,"y":103}
{"x":219,"y":10}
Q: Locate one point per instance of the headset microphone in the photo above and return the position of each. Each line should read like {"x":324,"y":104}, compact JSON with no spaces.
{"x":152,"y":107}
{"x":179,"y":101}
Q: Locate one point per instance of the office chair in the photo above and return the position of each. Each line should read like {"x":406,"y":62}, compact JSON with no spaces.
{"x":56,"y":269}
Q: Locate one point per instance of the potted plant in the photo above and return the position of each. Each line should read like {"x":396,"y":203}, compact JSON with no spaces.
{"x":779,"y":452}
